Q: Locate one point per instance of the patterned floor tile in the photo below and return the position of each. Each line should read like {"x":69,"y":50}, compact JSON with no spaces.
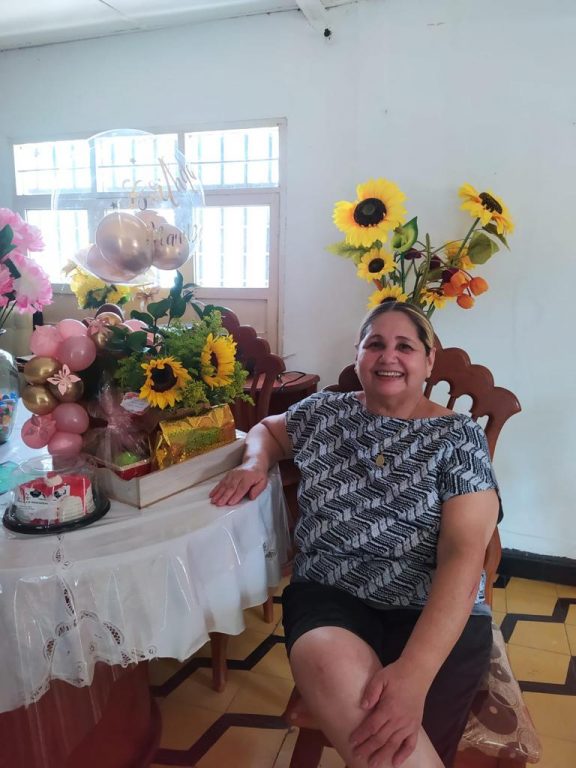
{"x":571,"y":617}
{"x":244,"y":748}
{"x":553,"y":716}
{"x":499,"y":600}
{"x":260,"y":694}
{"x":538,"y":666}
{"x":535,"y":604}
{"x":565,"y":591}
{"x":536,"y":634}
{"x":557,"y":753}
{"x":571,"y":634}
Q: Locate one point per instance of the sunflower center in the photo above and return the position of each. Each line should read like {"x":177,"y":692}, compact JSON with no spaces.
{"x":213,"y":360}
{"x":489,"y":203}
{"x":163,"y":379}
{"x":369,"y":212}
{"x":376,"y":265}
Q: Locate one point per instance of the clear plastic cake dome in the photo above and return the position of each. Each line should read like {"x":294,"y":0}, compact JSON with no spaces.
{"x":52,"y":492}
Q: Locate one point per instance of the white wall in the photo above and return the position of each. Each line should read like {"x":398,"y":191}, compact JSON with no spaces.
{"x":429,"y":93}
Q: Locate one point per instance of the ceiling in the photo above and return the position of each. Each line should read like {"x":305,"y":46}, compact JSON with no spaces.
{"x":28,"y":23}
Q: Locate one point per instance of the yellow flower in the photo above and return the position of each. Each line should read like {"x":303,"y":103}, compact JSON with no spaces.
{"x":388,"y":292}
{"x":81,"y":283}
{"x":165,"y":378}
{"x":434,"y":299}
{"x":217,"y":360}
{"x":486,"y":207}
{"x":376,"y":212}
{"x":451,"y":249}
{"x":374,"y":264}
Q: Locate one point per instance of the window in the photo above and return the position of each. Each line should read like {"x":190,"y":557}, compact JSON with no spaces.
{"x":234,"y":236}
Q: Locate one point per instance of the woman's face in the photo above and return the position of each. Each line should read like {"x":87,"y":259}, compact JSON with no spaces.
{"x":391,"y":362}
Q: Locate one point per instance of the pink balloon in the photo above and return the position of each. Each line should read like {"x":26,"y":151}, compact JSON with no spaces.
{"x":45,"y":341}
{"x":78,"y":352}
{"x":70,"y":417}
{"x":37,"y":431}
{"x":135,"y":325}
{"x":109,"y":273}
{"x":65,"y":444}
{"x":70,"y":327}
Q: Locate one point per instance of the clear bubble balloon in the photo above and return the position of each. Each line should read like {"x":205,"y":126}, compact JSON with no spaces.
{"x":137,"y":174}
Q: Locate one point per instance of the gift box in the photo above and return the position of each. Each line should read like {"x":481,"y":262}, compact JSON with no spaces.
{"x":158,"y":485}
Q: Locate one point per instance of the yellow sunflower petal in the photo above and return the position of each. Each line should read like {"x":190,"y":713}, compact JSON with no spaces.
{"x":388,"y":292}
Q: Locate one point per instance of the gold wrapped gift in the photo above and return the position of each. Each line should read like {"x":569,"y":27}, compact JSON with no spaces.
{"x":181,"y":439}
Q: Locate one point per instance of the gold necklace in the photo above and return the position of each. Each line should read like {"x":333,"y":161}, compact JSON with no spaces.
{"x":380,"y":459}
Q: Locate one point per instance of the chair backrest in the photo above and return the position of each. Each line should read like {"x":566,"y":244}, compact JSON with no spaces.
{"x":263,"y":367}
{"x":464,"y":379}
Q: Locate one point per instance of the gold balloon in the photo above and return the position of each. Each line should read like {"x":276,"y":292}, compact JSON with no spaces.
{"x":39,"y":368}
{"x":38,"y":399}
{"x":110,"y":318}
{"x":101,"y":337}
{"x":73,"y":392}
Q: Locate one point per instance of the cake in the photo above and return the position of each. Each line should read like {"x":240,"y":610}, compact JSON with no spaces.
{"x":54,"y":499}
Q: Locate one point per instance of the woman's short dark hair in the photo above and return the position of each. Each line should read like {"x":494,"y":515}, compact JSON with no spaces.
{"x":419,"y":320}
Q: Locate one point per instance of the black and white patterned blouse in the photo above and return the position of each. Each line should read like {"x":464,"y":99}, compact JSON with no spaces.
{"x":371,"y":494}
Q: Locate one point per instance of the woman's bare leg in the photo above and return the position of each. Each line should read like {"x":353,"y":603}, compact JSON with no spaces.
{"x":331,"y":668}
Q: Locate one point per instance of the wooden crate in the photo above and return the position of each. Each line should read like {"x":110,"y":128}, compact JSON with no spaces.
{"x":148,"y":489}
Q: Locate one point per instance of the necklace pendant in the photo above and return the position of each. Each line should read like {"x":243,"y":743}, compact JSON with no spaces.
{"x":380,"y":460}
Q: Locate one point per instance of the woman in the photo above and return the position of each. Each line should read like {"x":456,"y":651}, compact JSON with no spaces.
{"x":386,"y":637}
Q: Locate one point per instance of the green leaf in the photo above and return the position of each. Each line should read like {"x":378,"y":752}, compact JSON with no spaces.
{"x":405,"y":236}
{"x":209,"y":308}
{"x":176,"y":289}
{"x":137,"y":340}
{"x":481,"y":248}
{"x":143,"y":316}
{"x":198,"y":309}
{"x":14,"y":273}
{"x":178,"y":307}
{"x":491,"y":229}
{"x":346,"y":250}
{"x":159,"y":308}
{"x":6,"y":237}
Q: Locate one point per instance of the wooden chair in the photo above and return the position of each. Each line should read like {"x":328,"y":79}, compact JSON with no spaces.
{"x":479,"y":747}
{"x":264,"y":367}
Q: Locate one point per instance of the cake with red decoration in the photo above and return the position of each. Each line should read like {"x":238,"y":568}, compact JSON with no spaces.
{"x":54,"y":499}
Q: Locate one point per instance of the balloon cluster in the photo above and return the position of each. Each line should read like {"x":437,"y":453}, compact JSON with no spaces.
{"x":127,"y":245}
{"x":53,"y":387}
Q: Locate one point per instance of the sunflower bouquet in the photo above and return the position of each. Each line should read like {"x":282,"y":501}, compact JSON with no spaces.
{"x":172,"y":380}
{"x":410,"y":268}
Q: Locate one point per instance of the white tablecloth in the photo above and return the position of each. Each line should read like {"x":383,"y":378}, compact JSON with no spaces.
{"x":137,"y":584}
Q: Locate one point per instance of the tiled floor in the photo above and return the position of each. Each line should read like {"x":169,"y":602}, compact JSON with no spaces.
{"x":241,"y":727}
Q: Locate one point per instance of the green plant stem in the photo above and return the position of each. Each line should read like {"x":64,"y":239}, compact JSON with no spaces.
{"x":5,"y":313}
{"x":463,"y":243}
{"x":402,"y":272}
{"x":421,"y":281}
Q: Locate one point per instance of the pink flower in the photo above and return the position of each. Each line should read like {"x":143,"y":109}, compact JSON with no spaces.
{"x":33,"y":288}
{"x":26,"y":237}
{"x":6,"y":282}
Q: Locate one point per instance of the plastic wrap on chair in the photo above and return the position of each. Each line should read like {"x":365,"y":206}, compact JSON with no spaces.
{"x":499,"y":723}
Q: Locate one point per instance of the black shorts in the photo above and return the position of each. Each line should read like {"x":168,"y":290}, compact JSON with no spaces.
{"x":308,"y":605}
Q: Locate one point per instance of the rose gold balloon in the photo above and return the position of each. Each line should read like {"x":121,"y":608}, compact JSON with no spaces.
{"x":38,"y":399}
{"x":38,"y":369}
{"x":73,"y":392}
{"x":110,"y":308}
{"x":97,"y":265}
{"x":125,"y":242}
{"x":171,"y":248}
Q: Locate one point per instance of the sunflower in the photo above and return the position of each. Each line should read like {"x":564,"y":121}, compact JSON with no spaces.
{"x":374,"y":264}
{"x":434,"y":299}
{"x":165,"y":378}
{"x":388,"y":292}
{"x":376,"y":212}
{"x":217,"y":360}
{"x":486,"y":207}
{"x":451,"y":249}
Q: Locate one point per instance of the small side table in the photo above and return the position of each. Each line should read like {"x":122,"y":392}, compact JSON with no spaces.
{"x":291,"y":387}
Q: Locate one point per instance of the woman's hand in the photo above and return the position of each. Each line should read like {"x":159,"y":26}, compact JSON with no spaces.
{"x":248,"y":479}
{"x":395,"y":699}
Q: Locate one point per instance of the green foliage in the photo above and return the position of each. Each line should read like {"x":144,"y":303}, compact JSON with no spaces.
{"x":183,"y":342}
{"x":6,"y":236}
{"x":348,"y":251}
{"x":481,"y":248}
{"x":404,"y":237}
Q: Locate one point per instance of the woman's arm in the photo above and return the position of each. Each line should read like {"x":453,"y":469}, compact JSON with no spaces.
{"x":266,"y":443}
{"x":396,"y":694}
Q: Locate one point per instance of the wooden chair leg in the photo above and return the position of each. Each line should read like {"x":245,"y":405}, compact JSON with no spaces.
{"x":308,"y":749}
{"x":268,"y":608}
{"x":219,"y":644}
